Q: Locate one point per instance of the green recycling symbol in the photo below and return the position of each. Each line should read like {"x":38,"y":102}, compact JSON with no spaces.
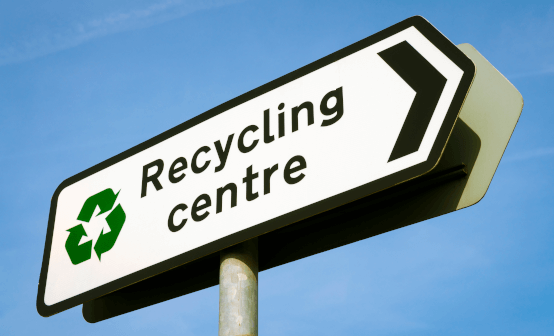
{"x":105,"y":200}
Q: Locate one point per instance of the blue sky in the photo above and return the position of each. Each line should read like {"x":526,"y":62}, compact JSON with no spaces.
{"x":83,"y":81}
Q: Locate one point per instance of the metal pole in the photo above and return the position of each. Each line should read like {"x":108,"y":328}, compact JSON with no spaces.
{"x":238,"y":290}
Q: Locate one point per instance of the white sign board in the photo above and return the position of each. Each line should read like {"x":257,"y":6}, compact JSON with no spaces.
{"x":368,"y":117}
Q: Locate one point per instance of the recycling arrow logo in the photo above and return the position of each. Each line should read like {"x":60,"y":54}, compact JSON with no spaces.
{"x":104,"y":200}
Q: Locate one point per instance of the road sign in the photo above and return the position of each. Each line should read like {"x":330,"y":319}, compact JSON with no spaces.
{"x":460,"y":179}
{"x":369,"y":117}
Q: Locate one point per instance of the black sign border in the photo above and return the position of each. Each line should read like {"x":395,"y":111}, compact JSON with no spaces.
{"x":420,"y":23}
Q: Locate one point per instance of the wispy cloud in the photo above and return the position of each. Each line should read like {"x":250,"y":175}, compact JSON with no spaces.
{"x":74,"y":34}
{"x":531,"y":154}
{"x":544,"y":72}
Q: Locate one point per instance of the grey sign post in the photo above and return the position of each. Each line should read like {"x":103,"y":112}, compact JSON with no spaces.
{"x":238,"y":290}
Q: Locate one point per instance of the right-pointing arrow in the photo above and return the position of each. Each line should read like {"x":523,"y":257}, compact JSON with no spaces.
{"x":428,"y":84}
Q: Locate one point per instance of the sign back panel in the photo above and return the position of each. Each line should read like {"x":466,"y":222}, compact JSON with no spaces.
{"x":371,"y":116}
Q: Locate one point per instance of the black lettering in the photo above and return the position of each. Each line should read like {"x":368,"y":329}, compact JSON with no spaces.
{"x":242,"y":147}
{"x":289,"y":171}
{"x":281,"y":121}
{"x":267,"y":137}
{"x":220,"y":191}
{"x":338,"y":109}
{"x":248,"y":180}
{"x":223,"y":154}
{"x":194,"y":166}
{"x":170,"y":224}
{"x":174,"y":170}
{"x":309,"y":107}
{"x":152,"y":178}
{"x":281,"y":124}
{"x":195,"y":207}
{"x":267,"y":177}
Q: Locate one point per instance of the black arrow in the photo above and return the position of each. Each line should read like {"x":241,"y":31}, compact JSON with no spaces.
{"x":428,"y":84}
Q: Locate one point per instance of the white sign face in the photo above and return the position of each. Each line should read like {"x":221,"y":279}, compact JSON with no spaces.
{"x":368,"y":117}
